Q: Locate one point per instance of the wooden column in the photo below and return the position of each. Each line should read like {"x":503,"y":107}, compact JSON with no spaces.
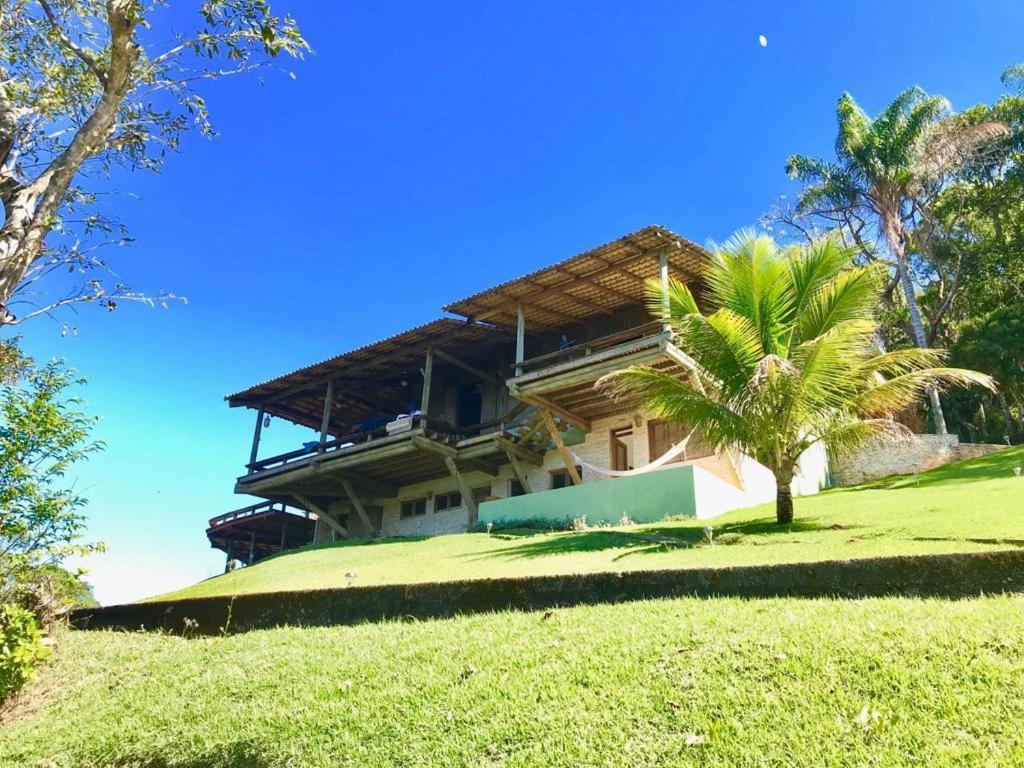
{"x":567,"y":459}
{"x":517,"y":469}
{"x":663,"y":274}
{"x":322,"y":514}
{"x":428,"y":374}
{"x":256,"y":439}
{"x":360,"y":510}
{"x":464,"y":489}
{"x":325,"y":422}
{"x":252,"y":547}
{"x":284,"y":536}
{"x":520,"y":338}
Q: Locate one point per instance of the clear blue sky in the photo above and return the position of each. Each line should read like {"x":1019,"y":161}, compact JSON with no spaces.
{"x":424,"y":152}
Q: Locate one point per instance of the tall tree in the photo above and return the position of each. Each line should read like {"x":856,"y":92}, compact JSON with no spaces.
{"x":86,"y":85}
{"x":886,"y":169}
{"x":785,"y":357}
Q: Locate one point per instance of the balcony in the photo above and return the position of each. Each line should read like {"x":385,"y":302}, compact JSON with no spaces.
{"x":252,"y":533}
{"x":562,"y":382}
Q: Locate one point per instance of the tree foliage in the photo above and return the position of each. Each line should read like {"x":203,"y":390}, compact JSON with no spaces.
{"x":888,"y":171}
{"x":44,"y":433}
{"x":785,"y":357}
{"x":87,"y":86}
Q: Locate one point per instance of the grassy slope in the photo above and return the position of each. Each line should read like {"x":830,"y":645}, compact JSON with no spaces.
{"x":939,"y":512}
{"x":673,"y":682}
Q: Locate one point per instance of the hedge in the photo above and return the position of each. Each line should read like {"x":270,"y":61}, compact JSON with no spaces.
{"x":946,"y":576}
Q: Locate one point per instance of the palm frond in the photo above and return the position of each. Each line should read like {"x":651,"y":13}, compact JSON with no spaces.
{"x":899,"y":361}
{"x":899,"y":392}
{"x":849,"y":296}
{"x":669,"y":305}
{"x":853,"y":124}
{"x":1013,"y":76}
{"x":952,"y":144}
{"x":846,"y":438}
{"x":667,"y":397}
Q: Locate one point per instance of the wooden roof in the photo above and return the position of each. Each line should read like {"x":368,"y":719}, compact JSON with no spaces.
{"x":369,"y":379}
{"x":598,"y":281}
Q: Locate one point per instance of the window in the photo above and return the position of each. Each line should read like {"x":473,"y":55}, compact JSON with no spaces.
{"x":560,"y":477}
{"x":515,"y":488}
{"x":451,"y":500}
{"x":414,"y":508}
{"x":481,"y":493}
{"x":662,"y":435}
{"x":622,"y":449}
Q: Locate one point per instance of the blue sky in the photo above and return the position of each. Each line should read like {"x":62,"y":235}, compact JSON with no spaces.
{"x":427,"y":151}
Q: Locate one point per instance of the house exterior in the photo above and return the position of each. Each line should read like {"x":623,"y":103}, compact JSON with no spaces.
{"x":493,"y":417}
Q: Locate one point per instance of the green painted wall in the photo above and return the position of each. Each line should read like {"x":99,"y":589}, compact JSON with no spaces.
{"x":645,"y":498}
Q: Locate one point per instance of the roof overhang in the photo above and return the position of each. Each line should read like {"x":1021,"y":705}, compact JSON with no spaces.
{"x":599,"y":281}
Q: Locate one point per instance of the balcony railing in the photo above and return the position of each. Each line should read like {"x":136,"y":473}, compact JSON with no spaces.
{"x":592,"y":347}
{"x":353,"y":440}
{"x":244,"y":513}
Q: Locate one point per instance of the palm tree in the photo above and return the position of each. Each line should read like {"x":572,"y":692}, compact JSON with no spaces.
{"x":786,"y":358}
{"x":886,"y":167}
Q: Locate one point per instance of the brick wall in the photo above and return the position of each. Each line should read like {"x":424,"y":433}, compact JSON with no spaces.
{"x":923,"y":453}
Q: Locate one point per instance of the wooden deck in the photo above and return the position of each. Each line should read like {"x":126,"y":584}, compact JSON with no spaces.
{"x":252,"y":533}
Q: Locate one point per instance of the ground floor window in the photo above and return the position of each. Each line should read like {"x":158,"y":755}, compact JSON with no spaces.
{"x":451,"y":500}
{"x":622,"y":450}
{"x":515,"y":488}
{"x":662,"y":435}
{"x":481,"y":493}
{"x":414,"y":508}
{"x":560,"y":477}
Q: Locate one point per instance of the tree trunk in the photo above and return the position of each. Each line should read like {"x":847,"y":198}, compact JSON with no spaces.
{"x":783,"y":498}
{"x":895,"y":237}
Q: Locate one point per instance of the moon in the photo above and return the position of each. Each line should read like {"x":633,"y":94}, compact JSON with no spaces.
{"x":763,"y":41}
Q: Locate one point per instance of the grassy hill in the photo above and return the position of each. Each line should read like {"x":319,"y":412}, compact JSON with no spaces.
{"x":682,"y":682}
{"x":962,"y":507}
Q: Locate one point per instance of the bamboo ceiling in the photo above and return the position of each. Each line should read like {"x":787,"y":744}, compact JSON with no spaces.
{"x":599,"y":281}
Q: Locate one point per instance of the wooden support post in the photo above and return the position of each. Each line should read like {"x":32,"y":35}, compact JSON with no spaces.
{"x":322,"y":514}
{"x":252,"y":546}
{"x":567,"y":459}
{"x":472,"y":369}
{"x":517,"y":469}
{"x":227,"y":561}
{"x":520,"y":339}
{"x":360,"y":510}
{"x":325,"y":422}
{"x":428,"y":374}
{"x":663,"y":274}
{"x":464,"y":489}
{"x":284,"y":536}
{"x":256,"y":440}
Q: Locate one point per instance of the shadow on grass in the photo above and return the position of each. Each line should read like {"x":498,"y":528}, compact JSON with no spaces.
{"x":239,"y":754}
{"x":994,"y":466}
{"x":649,"y":539}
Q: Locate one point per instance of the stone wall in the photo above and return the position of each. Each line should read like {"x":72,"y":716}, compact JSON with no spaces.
{"x":925,"y":452}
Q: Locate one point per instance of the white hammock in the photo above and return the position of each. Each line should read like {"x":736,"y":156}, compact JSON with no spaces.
{"x":662,"y":460}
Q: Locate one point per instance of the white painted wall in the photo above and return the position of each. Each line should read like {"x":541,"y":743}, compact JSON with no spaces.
{"x":717,"y":489}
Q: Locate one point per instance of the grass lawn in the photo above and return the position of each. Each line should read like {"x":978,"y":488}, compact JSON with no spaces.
{"x":969,"y":506}
{"x":682,"y":682}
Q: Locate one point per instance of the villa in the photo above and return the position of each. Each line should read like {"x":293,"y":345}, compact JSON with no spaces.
{"x":494,"y":417}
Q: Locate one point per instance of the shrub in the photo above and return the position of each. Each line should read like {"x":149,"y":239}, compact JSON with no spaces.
{"x":22,"y":648}
{"x":579,"y":524}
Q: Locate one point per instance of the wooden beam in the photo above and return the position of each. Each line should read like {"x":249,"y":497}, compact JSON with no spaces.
{"x":688,"y":364}
{"x":663,"y":275}
{"x":321,"y":513}
{"x":520,"y":338}
{"x":428,"y":374}
{"x":544,"y":404}
{"x":325,"y":422}
{"x":373,"y":488}
{"x":256,"y":439}
{"x":431,"y":446}
{"x":525,"y":454}
{"x":517,"y":468}
{"x":481,"y":465}
{"x":360,"y":510}
{"x":526,"y":298}
{"x":491,"y":377}
{"x":464,"y":489}
{"x":567,"y":458}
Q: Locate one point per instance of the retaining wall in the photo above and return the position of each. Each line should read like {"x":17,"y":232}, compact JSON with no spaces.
{"x":923,"y":453}
{"x":950,"y":576}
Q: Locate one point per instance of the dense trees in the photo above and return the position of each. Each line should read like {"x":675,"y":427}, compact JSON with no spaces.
{"x":87,"y":85}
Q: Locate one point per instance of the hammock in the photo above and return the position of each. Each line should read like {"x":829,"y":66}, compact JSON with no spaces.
{"x":665,"y":458}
